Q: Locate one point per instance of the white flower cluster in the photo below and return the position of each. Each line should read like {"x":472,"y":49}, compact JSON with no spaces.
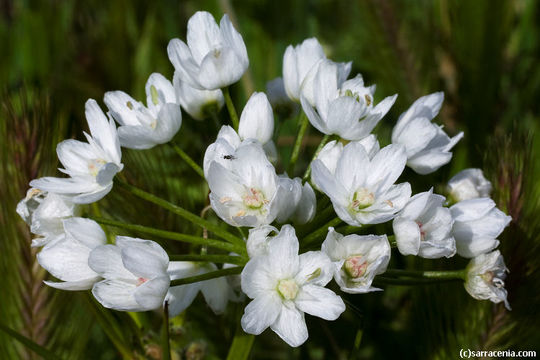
{"x":353,"y":171}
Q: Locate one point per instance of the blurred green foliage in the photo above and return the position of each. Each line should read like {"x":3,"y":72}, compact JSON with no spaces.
{"x":483,"y":54}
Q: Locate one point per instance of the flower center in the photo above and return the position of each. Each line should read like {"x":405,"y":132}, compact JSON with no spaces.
{"x":488,"y":276}
{"x":362,"y":199}
{"x":355,"y":266}
{"x":422,"y":231}
{"x":95,"y":165}
{"x":366,"y":98}
{"x":141,"y":281}
{"x":287,"y":289}
{"x":254,"y":199}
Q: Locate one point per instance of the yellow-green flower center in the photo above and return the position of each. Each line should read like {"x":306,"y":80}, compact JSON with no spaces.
{"x":362,"y":199}
{"x":288,"y":289}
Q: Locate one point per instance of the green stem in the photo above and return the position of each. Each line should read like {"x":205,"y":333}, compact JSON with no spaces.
{"x":230,"y":107}
{"x":379,"y":280}
{"x":447,"y":274}
{"x":321,"y":145}
{"x":304,"y":122}
{"x":188,"y":159}
{"x":320,"y":233}
{"x":392,"y":241}
{"x":207,"y":276}
{"x":171,"y":235}
{"x":220,"y":259}
{"x":197,"y":220}
{"x":165,"y":343}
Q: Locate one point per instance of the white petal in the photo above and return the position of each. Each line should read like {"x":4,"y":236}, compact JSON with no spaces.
{"x":386,"y":167}
{"x":283,"y":253}
{"x":180,"y":298}
{"x":74,"y":285}
{"x":106,"y":260}
{"x":429,"y":161}
{"x":318,"y":301}
{"x":291,"y":326}
{"x":117,"y":295}
{"x":407,"y":235}
{"x":258,"y":277}
{"x":315,"y":268}
{"x":234,"y":40}
{"x":416,"y":135}
{"x":123,"y":107}
{"x":66,"y":260}
{"x":220,"y":68}
{"x":472,"y":209}
{"x":103,"y":131}
{"x":151,"y":294}
{"x":183,"y":62}
{"x":215,"y":293}
{"x":86,"y":231}
{"x":163,"y":88}
{"x":261,"y":313}
{"x":144,"y":258}
{"x":203,"y":35}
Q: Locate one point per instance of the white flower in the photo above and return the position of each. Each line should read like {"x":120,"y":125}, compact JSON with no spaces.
{"x":215,"y":291}
{"x":477,"y":224}
{"x":135,"y":273}
{"x":468,"y":184}
{"x":257,"y":119}
{"x":343,"y":108}
{"x":91,"y":166}
{"x":256,"y":124}
{"x":427,"y":145}
{"x":143,"y":127}
{"x":284,"y":286}
{"x":300,"y":202}
{"x":361,"y":189}
{"x":44,"y":213}
{"x":214,"y":57}
{"x":331,"y":152}
{"x":199,"y":104}
{"x":485,"y":278}
{"x":246,"y":191}
{"x":424,"y":227}
{"x":300,"y":65}
{"x":67,"y":257}
{"x":357,"y":259}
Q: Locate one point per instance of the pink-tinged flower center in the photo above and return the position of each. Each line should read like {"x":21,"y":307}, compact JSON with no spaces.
{"x":254,"y":199}
{"x":95,"y":165}
{"x":141,"y":281}
{"x":287,"y":289}
{"x":355,"y":266}
{"x":422,"y":231}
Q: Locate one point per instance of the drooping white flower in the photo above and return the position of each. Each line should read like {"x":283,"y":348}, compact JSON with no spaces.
{"x":143,"y":127}
{"x":343,"y":108}
{"x":361,"y":189}
{"x":468,"y":184}
{"x":258,"y":238}
{"x":200,"y":104}
{"x":284,"y":286}
{"x":477,"y":224}
{"x":256,"y":124}
{"x":424,"y":227}
{"x":357,"y":259}
{"x":91,"y":166}
{"x":485,"y":278}
{"x":214,"y":57}
{"x":44,"y":213}
{"x":257,"y":119}
{"x":215,"y":291}
{"x":66,"y":258}
{"x":300,"y":65}
{"x":246,"y":191}
{"x":427,"y":145}
{"x":134,"y":272}
{"x":300,"y":202}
